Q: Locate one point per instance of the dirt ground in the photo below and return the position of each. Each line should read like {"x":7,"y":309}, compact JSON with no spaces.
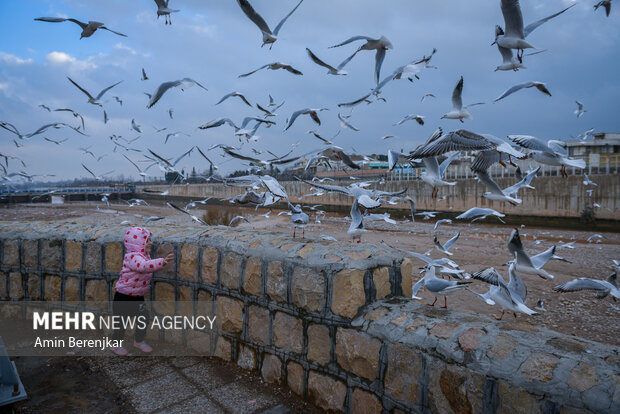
{"x":480,"y":245}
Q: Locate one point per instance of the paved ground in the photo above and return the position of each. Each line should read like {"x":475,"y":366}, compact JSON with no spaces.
{"x":137,"y":384}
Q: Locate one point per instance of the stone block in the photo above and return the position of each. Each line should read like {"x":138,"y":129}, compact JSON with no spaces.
{"x":4,"y":277}
{"x":199,"y":342}
{"x":470,"y":339}
{"x":454,"y":389}
{"x":247,"y":358}
{"x":185,"y":304}
{"x":92,"y":264}
{"x":223,"y":349}
{"x":188,"y":266}
{"x":30,"y":248}
{"x":73,"y":256}
{"x":16,"y":288}
{"x":203,"y":303}
{"x":51,"y":254}
{"x":357,"y":352}
{"x":363,"y":402}
{"x":252,"y":276}
{"x":404,"y":369}
{"x":348,"y":292}
{"x":276,"y":283}
{"x":229,"y":314}
{"x":406,"y":272}
{"x":503,"y":347}
{"x":96,"y":291}
{"x":72,"y":289}
{"x":209,"y":265}
{"x":583,"y":377}
{"x":164,"y":298}
{"x":326,"y":392}
{"x":381,"y":278}
{"x":288,"y":332}
{"x":295,"y":377}
{"x":515,"y":400}
{"x":308,"y":289}
{"x":539,"y":367}
{"x":271,"y":369}
{"x":231,"y":271}
{"x":319,"y":344}
{"x":162,"y":250}
{"x":11,"y":252}
{"x":113,"y":257}
{"x":259,"y":325}
{"x":444,"y":330}
{"x":52,"y":288}
{"x":34,"y":286}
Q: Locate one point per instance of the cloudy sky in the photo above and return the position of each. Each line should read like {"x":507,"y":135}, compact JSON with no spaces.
{"x":213,"y":42}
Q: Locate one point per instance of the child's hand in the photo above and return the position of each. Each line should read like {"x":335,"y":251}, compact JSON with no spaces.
{"x":169,"y":258}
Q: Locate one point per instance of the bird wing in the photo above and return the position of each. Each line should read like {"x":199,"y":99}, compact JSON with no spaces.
{"x":516,"y":285}
{"x":461,"y":140}
{"x":239,"y":156}
{"x":532,"y":26}
{"x":514,"y":242}
{"x":352,"y":39}
{"x":445,"y":163}
{"x":584,"y":283}
{"x":254,"y":71}
{"x":488,"y":275}
{"x":80,"y":88}
{"x":274,"y":186}
{"x":182,"y":156}
{"x":489,"y":183}
{"x":327,"y":187}
{"x":161,"y":158}
{"x":256,"y":18}
{"x":366,"y":201}
{"x":558,"y":147}
{"x":512,"y":90}
{"x":110,"y":30}
{"x":530,"y":142}
{"x":450,"y":242}
{"x":134,"y":164}
{"x":431,"y":165}
{"x":319,"y":62}
{"x":513,"y":19}
{"x":91,"y":173}
{"x":348,"y":125}
{"x":291,"y":69}
{"x":506,"y":53}
{"x":295,"y":115}
{"x":457,"y":100}
{"x":540,"y":259}
{"x":484,"y":160}
{"x":279,"y":26}
{"x":159,"y":92}
{"x":225,"y":97}
{"x":379,"y":57}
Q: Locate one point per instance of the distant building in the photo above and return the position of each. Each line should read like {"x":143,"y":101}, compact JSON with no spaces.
{"x":603,"y":150}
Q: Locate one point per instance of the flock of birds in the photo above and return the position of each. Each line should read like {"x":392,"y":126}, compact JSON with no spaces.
{"x":441,"y":149}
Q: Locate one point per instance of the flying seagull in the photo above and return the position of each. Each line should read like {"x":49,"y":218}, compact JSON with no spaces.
{"x":601,"y":287}
{"x":312,"y":112}
{"x":91,"y":100}
{"x":418,"y":118}
{"x":526,"y":264}
{"x":550,"y":153}
{"x":580,"y":110}
{"x":163,"y":10}
{"x":381,"y":45}
{"x":87,"y":28}
{"x":269,"y":37}
{"x":97,"y":177}
{"x":458,"y":111}
{"x":480,"y":213}
{"x":238,"y":95}
{"x":75,"y":114}
{"x":542,"y":87}
{"x":606,"y":4}
{"x":135,"y":126}
{"x":274,"y":66}
{"x":196,"y":219}
{"x":161,"y":89}
{"x":144,"y":77}
{"x":446,"y":247}
{"x":331,"y":70}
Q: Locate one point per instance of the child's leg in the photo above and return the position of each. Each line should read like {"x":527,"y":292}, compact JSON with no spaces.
{"x":120,"y":308}
{"x":143,"y":312}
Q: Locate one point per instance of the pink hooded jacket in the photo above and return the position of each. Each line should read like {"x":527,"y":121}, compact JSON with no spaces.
{"x":138,"y":267}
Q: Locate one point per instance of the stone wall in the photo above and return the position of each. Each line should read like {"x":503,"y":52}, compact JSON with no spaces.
{"x":553,"y":196}
{"x":329,"y":320}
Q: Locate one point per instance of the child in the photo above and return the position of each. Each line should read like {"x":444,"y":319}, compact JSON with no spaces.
{"x":133,"y":284}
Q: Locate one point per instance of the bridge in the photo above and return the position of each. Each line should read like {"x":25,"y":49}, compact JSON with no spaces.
{"x":67,"y":193}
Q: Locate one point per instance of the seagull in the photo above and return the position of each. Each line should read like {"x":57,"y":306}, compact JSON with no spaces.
{"x":510,"y":297}
{"x":328,"y":238}
{"x":411,"y":208}
{"x":593,"y":237}
{"x":430,"y":95}
{"x":550,"y":153}
{"x":508,"y":60}
{"x":238,"y":95}
{"x":273,"y":66}
{"x":144,"y":77}
{"x":526,"y":264}
{"x":161,"y":89}
{"x":376,"y":217}
{"x":75,"y":114}
{"x":237,"y":218}
{"x":365,"y":197}
{"x":479,"y":214}
{"x":163,"y":10}
{"x":153,"y":218}
{"x":316,"y":135}
{"x":606,"y":5}
{"x":170,"y":111}
{"x":118,"y":100}
{"x":446,"y":247}
{"x":135,"y":126}
{"x":97,"y":177}
{"x":540,"y":306}
{"x":438,"y":286}
{"x":602,"y":287}
{"x":428,"y":214}
{"x":514,"y":37}
{"x":55,"y":142}
{"x":269,"y":37}
{"x":141,"y":172}
{"x":381,"y":45}
{"x":587,"y":181}
{"x":196,"y":219}
{"x":418,"y":118}
{"x":298,"y":218}
{"x":502,"y":152}
{"x":56,"y":125}
{"x":47,"y":108}
{"x":345,"y":124}
{"x":87,"y":28}
{"x":174,"y":134}
{"x":356,"y":228}
{"x":579,"y":111}
{"x":91,"y":100}
{"x":433,"y":174}
{"x":458,"y":111}
{"x":312,"y":112}
{"x":330,"y":69}
{"x":439,"y":222}
{"x":105,"y":117}
{"x":531,"y":84}
{"x":495,"y":193}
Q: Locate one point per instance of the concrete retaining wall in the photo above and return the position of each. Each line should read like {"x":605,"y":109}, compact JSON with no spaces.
{"x":553,"y":196}
{"x":328,"y":320}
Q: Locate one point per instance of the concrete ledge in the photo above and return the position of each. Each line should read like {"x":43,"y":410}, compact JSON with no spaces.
{"x":330,"y":321}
